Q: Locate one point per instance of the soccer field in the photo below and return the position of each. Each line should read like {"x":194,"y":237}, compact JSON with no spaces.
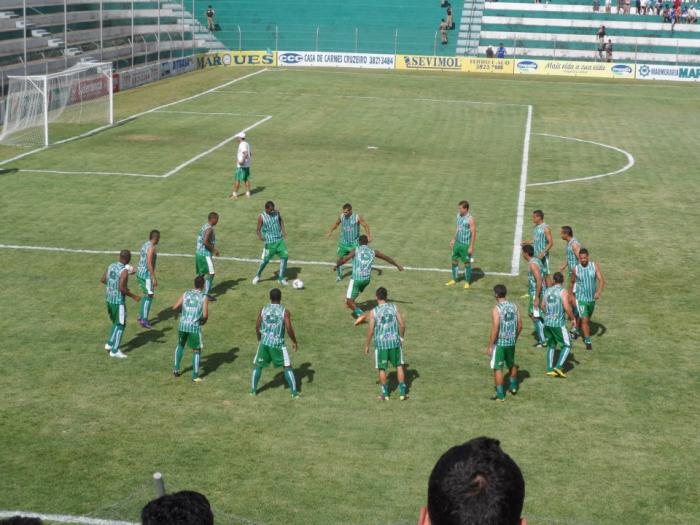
{"x":613,"y":443}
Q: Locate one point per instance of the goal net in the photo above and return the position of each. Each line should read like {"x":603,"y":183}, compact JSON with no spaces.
{"x":45,"y":109}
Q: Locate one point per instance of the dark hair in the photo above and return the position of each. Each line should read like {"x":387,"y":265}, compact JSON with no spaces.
{"x":476,"y":483}
{"x":583,"y":251}
{"x":382,"y":293}
{"x":539,"y":213}
{"x":21,"y":520}
{"x":529,"y":250}
{"x":558,"y":277}
{"x":362,"y":239}
{"x":347,"y":206}
{"x":212,"y":215}
{"x":500,"y":290}
{"x":153,"y":234}
{"x":464,"y":204}
{"x":125,"y":254}
{"x":275,"y":295}
{"x":269,"y":204}
{"x":199,"y":282}
{"x":567,"y":230}
{"x":182,"y":508}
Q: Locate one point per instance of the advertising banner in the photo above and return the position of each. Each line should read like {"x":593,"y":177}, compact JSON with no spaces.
{"x":488,"y":65}
{"x":330,"y":59}
{"x":574,"y":69}
{"x":138,"y":77}
{"x":237,"y":58}
{"x":428,"y":63}
{"x":88,"y":89}
{"x":662,"y":72}
{"x":170,"y":68}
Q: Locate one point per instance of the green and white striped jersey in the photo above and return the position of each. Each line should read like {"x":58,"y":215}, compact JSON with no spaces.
{"x":201,"y":248}
{"x":349,"y":229}
{"x":553,"y":306}
{"x":539,"y":238}
{"x":362,"y":263}
{"x":142,"y":270}
{"x":586,"y":282}
{"x":571,"y":259}
{"x":532,"y":282}
{"x":464,"y":233}
{"x":271,"y":227}
{"x":112,"y":293}
{"x":507,"y":324}
{"x":192,"y":309}
{"x":386,"y":327}
{"x":272,"y":325}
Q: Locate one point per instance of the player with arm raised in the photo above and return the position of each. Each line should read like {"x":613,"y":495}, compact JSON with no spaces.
{"x":535,"y":288}
{"x":587,"y":284}
{"x":146,"y":276}
{"x":195,"y":312}
{"x":542,"y":242}
{"x":555,"y":304}
{"x":272,"y":232}
{"x":362,"y":261}
{"x":116,"y":281}
{"x":462,"y":244}
{"x":206,"y":250}
{"x":506,"y":326}
{"x":349,"y":223}
{"x":272,"y":323}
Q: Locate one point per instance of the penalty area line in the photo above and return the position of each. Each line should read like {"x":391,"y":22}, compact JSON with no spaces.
{"x":56,"y":249}
{"x":62,"y":518}
{"x":520,"y":213}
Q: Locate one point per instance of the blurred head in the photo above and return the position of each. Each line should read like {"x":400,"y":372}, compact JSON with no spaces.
{"x":463,"y":207}
{"x":363,"y":240}
{"x":558,"y":278}
{"x":500,"y":291}
{"x":124,"y":256}
{"x":275,"y":295}
{"x":381,"y":294}
{"x":199,"y":282}
{"x":537,"y":216}
{"x":213,"y":218}
{"x":528,"y":251}
{"x":583,"y":256}
{"x":566,"y":233}
{"x":269,"y":206}
{"x":182,"y":508}
{"x":347,"y":209}
{"x":154,"y":236}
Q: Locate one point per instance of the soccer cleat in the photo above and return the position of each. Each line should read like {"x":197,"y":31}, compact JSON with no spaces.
{"x":513,"y":391}
{"x":256,"y":280}
{"x":233,"y":196}
{"x":211,"y":298}
{"x":382,"y":397}
{"x":198,"y":380}
{"x":560,"y":373}
{"x":177,"y":373}
{"x":252,"y":393}
{"x":451,"y":282}
{"x":146,"y":324}
{"x":574,"y":334}
{"x":296,"y":395}
{"x":589,"y":346}
{"x":118,"y":354}
{"x":498,"y":399}
{"x":538,"y":345}
{"x":551,"y":373}
{"x":404,"y":397}
{"x":247,"y":194}
{"x":108,"y":348}
{"x":467,"y":286}
{"x":360,"y":319}
{"x":283,"y":282}
{"x":338,"y":278}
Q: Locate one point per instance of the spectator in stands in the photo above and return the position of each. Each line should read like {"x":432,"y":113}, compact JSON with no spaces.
{"x":659,"y":7}
{"x":450,"y":18}
{"x":444,"y":3}
{"x":600,"y":38}
{"x":210,"y":18}
{"x":596,"y":6}
{"x":620,"y":6}
{"x":638,"y":6}
{"x":475,"y":482}
{"x":626,"y":9}
{"x":443,"y":31}
{"x":489,"y":52}
{"x":650,"y":7}
{"x":501,"y":51}
{"x":674,"y":19}
{"x":182,"y":508}
{"x":608,"y":6}
{"x":692,"y":15}
{"x":608,"y":51}
{"x":666,"y":14}
{"x":677,"y":9}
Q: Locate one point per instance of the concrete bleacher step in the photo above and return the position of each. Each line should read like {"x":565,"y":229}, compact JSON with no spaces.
{"x":73,"y":52}
{"x":20,"y":24}
{"x":40,"y":33}
{"x":55,"y":42}
{"x":6,"y":15}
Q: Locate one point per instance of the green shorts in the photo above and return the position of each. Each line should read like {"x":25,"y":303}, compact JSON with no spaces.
{"x":345,"y":248}
{"x":242,"y":174}
{"x":204,"y":264}
{"x":355,"y":288}
{"x":117,"y":313}
{"x":585,"y":308}
{"x":545,"y":265}
{"x":460,"y":252}
{"x":556,"y":336}
{"x":382,"y":358}
{"x":502,"y":356}
{"x":278,"y":248}
{"x":146,"y":285}
{"x":192,"y":339}
{"x":267,"y":354}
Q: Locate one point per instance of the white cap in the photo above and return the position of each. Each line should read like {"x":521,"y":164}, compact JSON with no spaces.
{"x":241,"y":135}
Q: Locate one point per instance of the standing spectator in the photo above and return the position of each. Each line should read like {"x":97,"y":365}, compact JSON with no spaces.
{"x":626,"y":9}
{"x":677,"y":9}
{"x":666,"y":14}
{"x":620,"y":7}
{"x":450,"y":18}
{"x":501,"y":51}
{"x":600,"y":38}
{"x":596,"y":6}
{"x":443,"y":31}
{"x":638,"y":6}
{"x":650,"y":7}
{"x":659,"y":7}
{"x":608,"y":51}
{"x":489,"y":52}
{"x":608,"y":6}
{"x":210,"y":18}
{"x":673,"y":18}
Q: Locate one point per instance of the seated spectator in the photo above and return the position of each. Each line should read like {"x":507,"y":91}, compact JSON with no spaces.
{"x":638,"y":6}
{"x":182,"y":508}
{"x":475,"y":483}
{"x":659,"y":7}
{"x":692,"y":15}
{"x":501,"y":51}
{"x":608,"y":6}
{"x":489,"y":52}
{"x":650,"y":7}
{"x":666,"y":14}
{"x":596,"y":6}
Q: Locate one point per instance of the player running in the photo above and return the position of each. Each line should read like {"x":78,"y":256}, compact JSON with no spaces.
{"x":116,"y":280}
{"x":462,"y":244}
{"x":362,"y":260}
{"x":195,"y":312}
{"x":587,"y":285}
{"x":272,"y":323}
{"x":555,"y":303}
{"x":272,"y":232}
{"x":146,"y":276}
{"x":542,"y":243}
{"x":506,"y":326}
{"x":243,"y":158}
{"x":387,"y":328}
{"x":535,"y":288}
{"x":349,"y":223}
{"x":206,"y":250}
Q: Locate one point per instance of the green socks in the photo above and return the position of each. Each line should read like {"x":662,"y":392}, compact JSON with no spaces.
{"x":500,"y":392}
{"x":539,"y":330}
{"x":455,"y":272}
{"x":195,"y":365}
{"x":263,"y":263}
{"x":384,"y":389}
{"x":257,"y":372}
{"x":145,"y":304}
{"x":116,"y":338}
{"x":468,"y":273}
{"x":339,"y":272}
{"x":402,"y":389}
{"x":550,"y":359}
{"x":513,"y":384}
{"x":562,"y":357}
{"x":358,"y":312}
{"x":587,"y":340}
{"x":291,"y":380}
{"x":179,"y":350}
{"x":207,"y":284}
{"x":283,"y":268}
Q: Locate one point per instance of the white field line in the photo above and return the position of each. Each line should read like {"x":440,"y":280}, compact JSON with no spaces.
{"x":630,"y":161}
{"x":520,"y":214}
{"x":109,"y":173}
{"x":213,"y":113}
{"x":211,"y":150}
{"x":256,"y":260}
{"x":62,"y":518}
{"x":135,"y":116}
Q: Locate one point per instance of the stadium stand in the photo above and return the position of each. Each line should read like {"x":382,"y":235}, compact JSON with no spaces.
{"x":567,"y":29}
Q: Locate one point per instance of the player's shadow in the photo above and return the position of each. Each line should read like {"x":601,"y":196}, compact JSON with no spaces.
{"x":372,"y":303}
{"x":477,"y":274}
{"x":146,"y":337}
{"x":410,"y":375}
{"x":597,"y":329}
{"x":257,"y":189}
{"x":571,"y":362}
{"x":164,"y":315}
{"x":210,"y":363}
{"x":301,"y":373}
{"x":8,"y":171}
{"x":522,"y":376}
{"x":224,"y":286}
{"x":290,"y":273}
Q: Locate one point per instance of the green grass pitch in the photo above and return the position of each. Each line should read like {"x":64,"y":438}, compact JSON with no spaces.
{"x":615,"y":443}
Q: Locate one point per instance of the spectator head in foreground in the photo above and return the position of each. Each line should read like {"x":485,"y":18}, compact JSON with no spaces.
{"x":20,"y":520}
{"x":475,"y":483}
{"x":181,"y":508}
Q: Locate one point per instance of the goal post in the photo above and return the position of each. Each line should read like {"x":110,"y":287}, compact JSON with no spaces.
{"x":45,"y":109}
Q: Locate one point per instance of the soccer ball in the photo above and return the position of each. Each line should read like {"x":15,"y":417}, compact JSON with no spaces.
{"x":297,"y":284}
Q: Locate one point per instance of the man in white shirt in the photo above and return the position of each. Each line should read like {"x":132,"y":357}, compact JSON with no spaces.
{"x":242,"y":166}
